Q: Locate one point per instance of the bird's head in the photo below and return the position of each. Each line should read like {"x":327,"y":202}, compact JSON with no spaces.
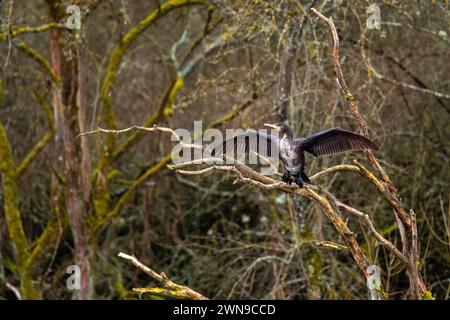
{"x":281,"y":127}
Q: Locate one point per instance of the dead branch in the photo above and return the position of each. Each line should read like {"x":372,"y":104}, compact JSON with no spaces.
{"x":141,"y":128}
{"x":163,"y":162}
{"x":327,"y":202}
{"x":379,"y":76}
{"x":332,"y":245}
{"x":384,"y":186}
{"x":246,"y":175}
{"x":168,"y":289}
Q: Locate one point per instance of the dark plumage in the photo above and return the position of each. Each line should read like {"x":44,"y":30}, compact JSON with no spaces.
{"x":291,"y":150}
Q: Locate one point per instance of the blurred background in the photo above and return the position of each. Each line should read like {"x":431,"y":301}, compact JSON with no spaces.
{"x":67,"y":201}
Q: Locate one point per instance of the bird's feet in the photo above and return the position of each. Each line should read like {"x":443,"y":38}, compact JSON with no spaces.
{"x":299,"y":180}
{"x":287,"y":178}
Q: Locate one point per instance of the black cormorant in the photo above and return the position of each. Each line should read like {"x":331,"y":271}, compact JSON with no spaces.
{"x":291,"y":150}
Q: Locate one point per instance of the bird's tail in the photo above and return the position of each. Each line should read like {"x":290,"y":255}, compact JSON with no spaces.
{"x":305,"y":178}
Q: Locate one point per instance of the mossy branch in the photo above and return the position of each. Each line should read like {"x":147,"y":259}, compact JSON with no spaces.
{"x":119,"y":52}
{"x":36,"y":56}
{"x":231,"y":115}
{"x":37,"y":148}
{"x":13,"y":216}
{"x":164,"y":111}
{"x":168,"y":289}
{"x":47,"y":240}
{"x":16,"y":31}
{"x":102,"y":220}
{"x":11,"y":200}
{"x":42,"y":143}
{"x":166,"y":106}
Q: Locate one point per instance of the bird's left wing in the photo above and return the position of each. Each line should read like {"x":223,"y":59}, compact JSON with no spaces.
{"x":247,"y":142}
{"x":335,"y":140}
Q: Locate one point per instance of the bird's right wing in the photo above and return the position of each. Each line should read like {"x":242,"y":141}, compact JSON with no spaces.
{"x":250,"y":141}
{"x":335,"y":140}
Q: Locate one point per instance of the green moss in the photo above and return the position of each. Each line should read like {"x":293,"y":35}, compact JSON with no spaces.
{"x":17,"y":31}
{"x":162,"y":293}
{"x":2,"y":93}
{"x":116,"y":210}
{"x":101,"y":200}
{"x":112,"y":174}
{"x":40,"y":145}
{"x":313,"y":262}
{"x":46,"y":241}
{"x":427,"y":295}
{"x":168,"y":109}
{"x":120,"y":50}
{"x":56,"y":9}
{"x":13,"y":217}
{"x":311,"y":48}
{"x":11,"y":199}
{"x":36,"y":56}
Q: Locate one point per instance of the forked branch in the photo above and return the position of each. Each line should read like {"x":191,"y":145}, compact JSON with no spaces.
{"x":406,"y":221}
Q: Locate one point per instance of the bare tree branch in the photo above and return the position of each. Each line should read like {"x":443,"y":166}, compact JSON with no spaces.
{"x":385,"y":186}
{"x":168,"y":289}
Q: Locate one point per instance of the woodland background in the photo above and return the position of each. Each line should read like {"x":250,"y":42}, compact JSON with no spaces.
{"x":66,"y":201}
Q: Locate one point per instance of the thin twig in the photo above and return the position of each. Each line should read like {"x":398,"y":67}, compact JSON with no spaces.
{"x":141,"y":128}
{"x":14,"y":290}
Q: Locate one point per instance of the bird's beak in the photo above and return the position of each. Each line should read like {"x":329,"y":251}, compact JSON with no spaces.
{"x":272,"y":126}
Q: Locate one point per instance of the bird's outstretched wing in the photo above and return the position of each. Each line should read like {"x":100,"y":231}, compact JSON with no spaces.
{"x":335,"y":140}
{"x":250,"y":141}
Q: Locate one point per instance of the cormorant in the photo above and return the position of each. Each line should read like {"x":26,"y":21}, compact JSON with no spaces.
{"x":291,"y":150}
